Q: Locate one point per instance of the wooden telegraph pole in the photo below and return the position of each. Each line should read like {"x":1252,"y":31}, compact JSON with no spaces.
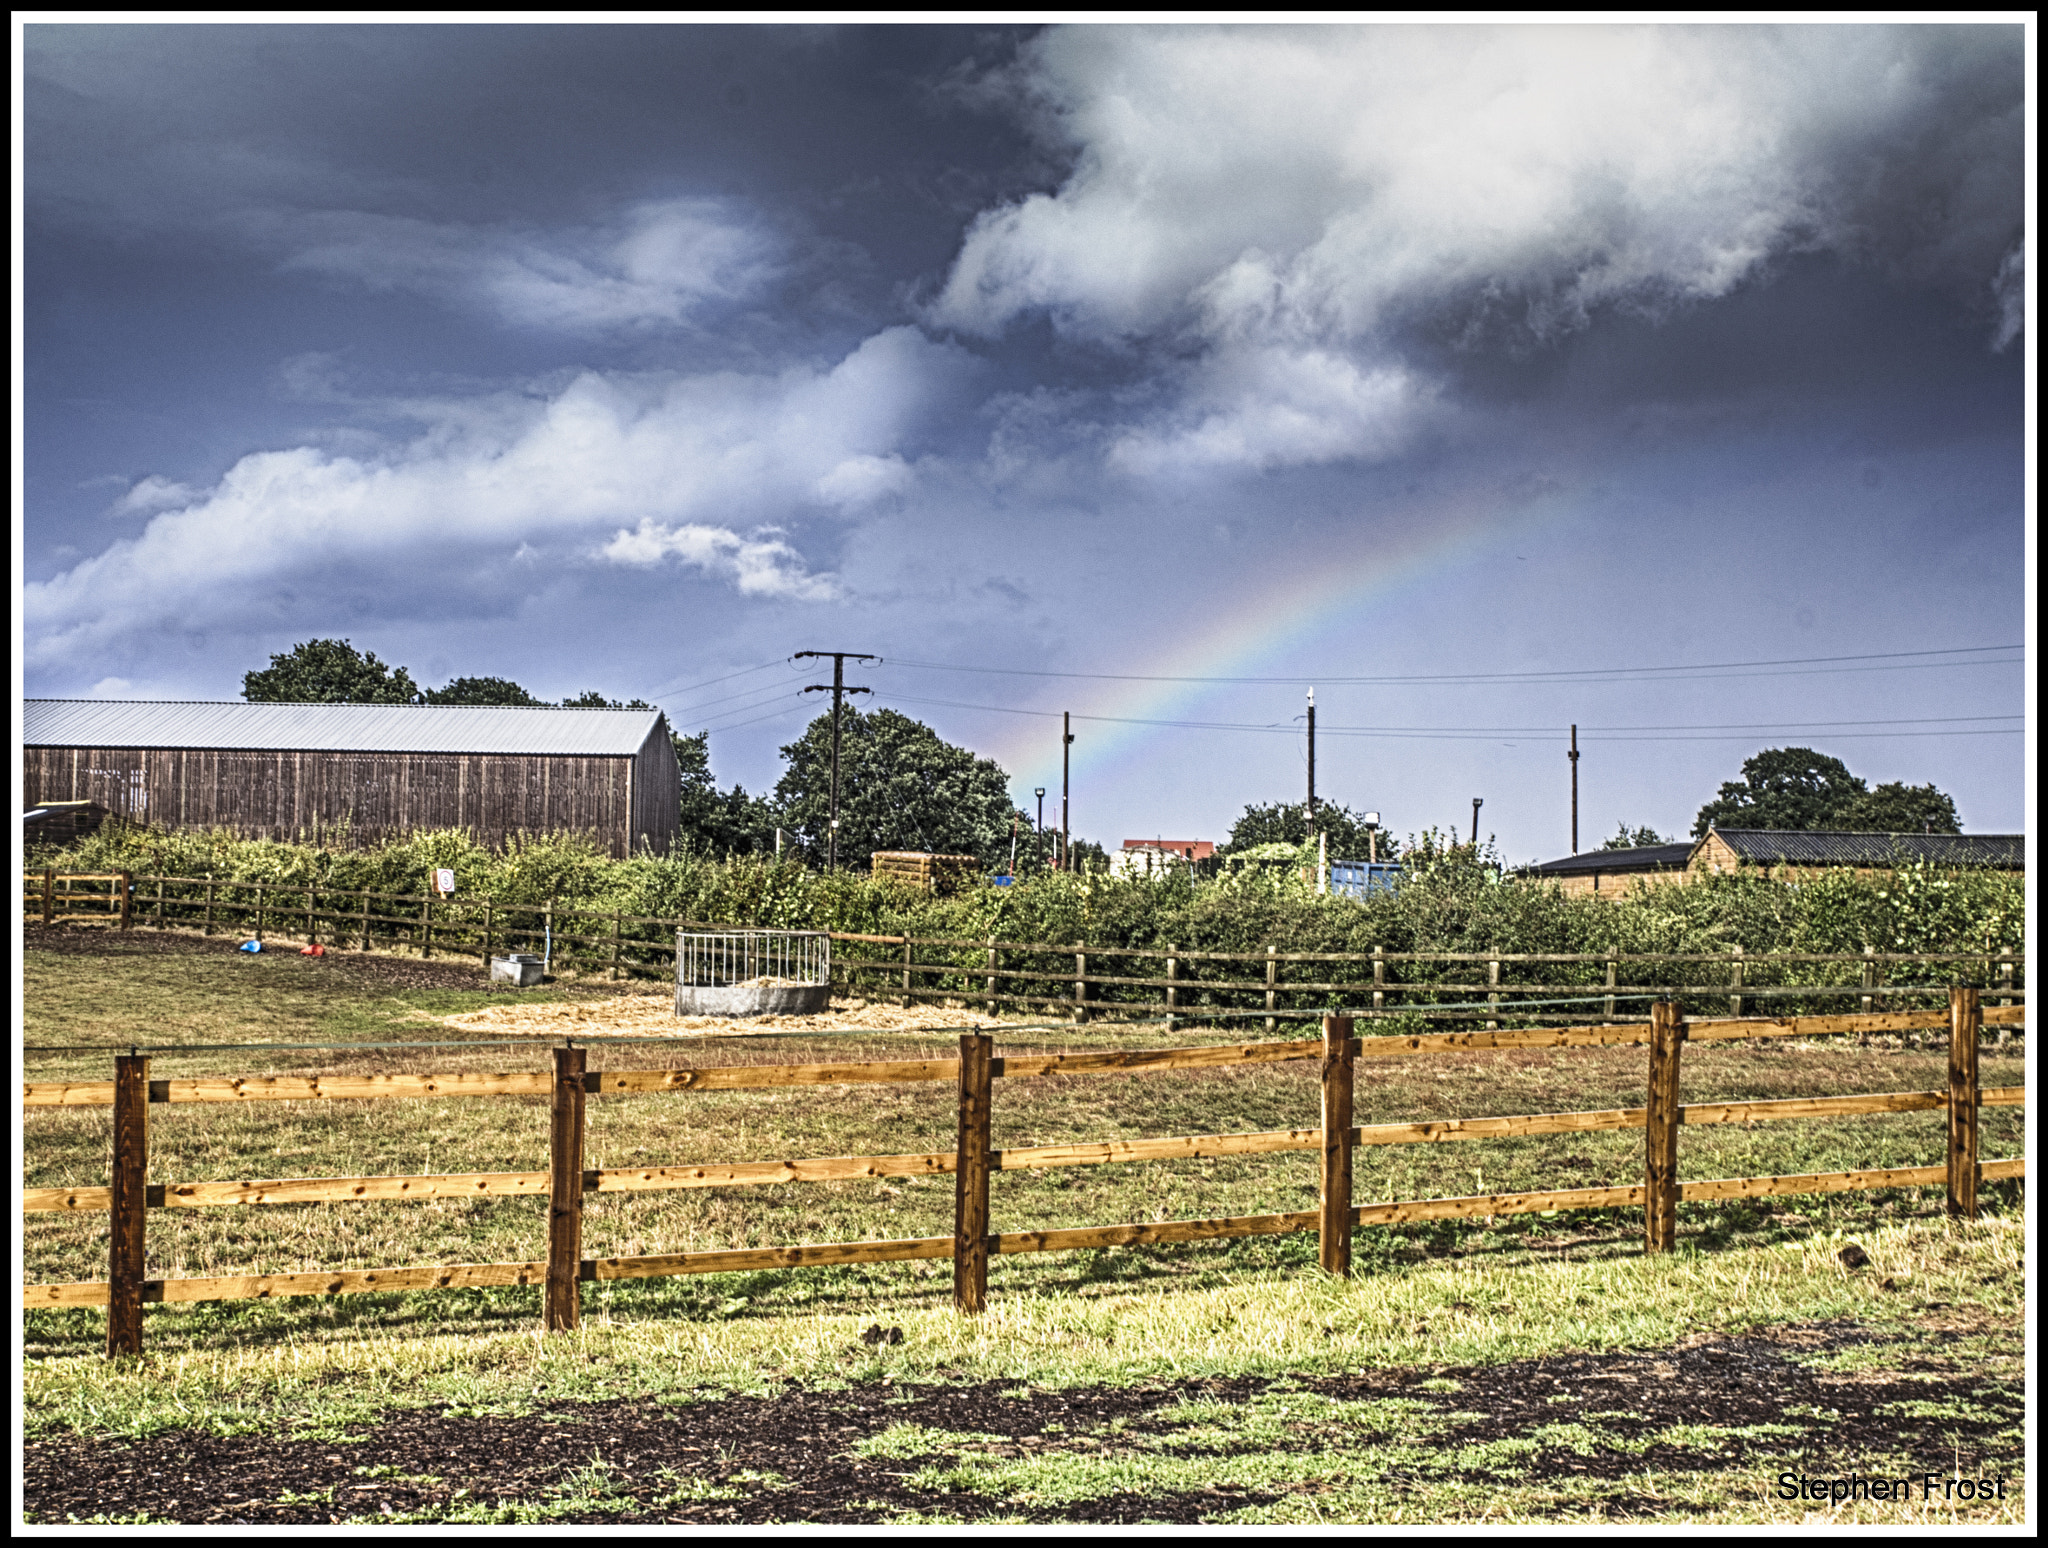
{"x":1574,"y":756}
{"x":1066,"y":757}
{"x":838,"y":689}
{"x":1311,"y":763}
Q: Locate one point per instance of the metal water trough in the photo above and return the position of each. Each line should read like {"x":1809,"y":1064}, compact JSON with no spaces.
{"x":753,"y":972}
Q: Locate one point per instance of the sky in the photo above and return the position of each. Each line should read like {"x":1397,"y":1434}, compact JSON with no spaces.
{"x":1668,"y":381}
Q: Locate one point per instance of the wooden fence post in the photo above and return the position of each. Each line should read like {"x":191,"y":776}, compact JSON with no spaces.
{"x":1660,"y":1130}
{"x":1613,"y":962}
{"x":258,"y":937}
{"x":49,"y":894}
{"x":1271,"y":964}
{"x":1379,"y":977}
{"x":565,"y":1191}
{"x":618,"y":922}
{"x":487,"y":935}
{"x":1735,"y":981}
{"x":366,"y":920}
{"x":1493,"y":980}
{"x":1869,"y":982}
{"x":426,"y":929}
{"x":906,"y":972}
{"x":991,"y":975}
{"x":1334,"y":1196}
{"x":970,"y":1174}
{"x":1965,"y":1021}
{"x":125,"y":880}
{"x":208,"y":930}
{"x":1080,"y":987}
{"x":159,"y":902}
{"x":1172,"y":989}
{"x":312,"y":921}
{"x":129,"y":1208}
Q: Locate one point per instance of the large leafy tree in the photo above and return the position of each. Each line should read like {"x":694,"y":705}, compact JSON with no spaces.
{"x":481,"y":690}
{"x":329,"y":672}
{"x":1797,"y":788}
{"x":1899,"y":808}
{"x":900,"y":787}
{"x":1284,"y":822}
{"x":722,"y":823}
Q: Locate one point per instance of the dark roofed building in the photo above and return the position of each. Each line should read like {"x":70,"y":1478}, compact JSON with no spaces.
{"x":1611,"y":872}
{"x":372,"y":771}
{"x":1728,"y":849}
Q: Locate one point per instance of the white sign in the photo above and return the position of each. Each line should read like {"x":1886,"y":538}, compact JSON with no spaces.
{"x":444,"y":882}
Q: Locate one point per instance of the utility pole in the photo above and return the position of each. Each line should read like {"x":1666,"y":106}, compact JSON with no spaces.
{"x":838,"y":689}
{"x":1311,"y":763}
{"x":1066,"y":755}
{"x":1574,"y":756}
{"x":1477,"y":802}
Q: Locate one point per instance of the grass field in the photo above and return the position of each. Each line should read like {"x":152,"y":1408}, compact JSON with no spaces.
{"x":1219,"y":1381}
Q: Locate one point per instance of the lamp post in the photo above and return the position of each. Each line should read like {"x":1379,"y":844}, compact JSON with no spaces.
{"x":1477,"y":802}
{"x":1372,"y":837}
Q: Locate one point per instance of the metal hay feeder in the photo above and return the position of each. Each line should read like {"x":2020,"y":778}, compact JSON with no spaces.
{"x":753,"y":972}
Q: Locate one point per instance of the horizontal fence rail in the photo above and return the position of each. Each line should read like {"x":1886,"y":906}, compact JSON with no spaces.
{"x":129,"y":1196}
{"x":1082,"y":979}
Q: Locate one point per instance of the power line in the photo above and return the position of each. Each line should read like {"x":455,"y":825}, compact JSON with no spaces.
{"x":1901,"y":660}
{"x":715,"y":681}
{"x":1488,"y":733}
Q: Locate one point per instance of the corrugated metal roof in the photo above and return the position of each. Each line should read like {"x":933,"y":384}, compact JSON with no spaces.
{"x":412,"y":728}
{"x":1644,"y":857}
{"x":1771,"y":846}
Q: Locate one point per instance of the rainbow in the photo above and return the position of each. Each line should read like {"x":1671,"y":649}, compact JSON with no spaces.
{"x":1252,"y":638}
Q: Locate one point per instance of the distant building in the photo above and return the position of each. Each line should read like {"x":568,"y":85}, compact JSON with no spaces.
{"x":1155,"y":857}
{"x":369,"y":771}
{"x":1357,"y":878}
{"x":1611,"y":873}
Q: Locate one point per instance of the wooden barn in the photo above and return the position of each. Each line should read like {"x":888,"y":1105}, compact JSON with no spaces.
{"x":303,"y":771}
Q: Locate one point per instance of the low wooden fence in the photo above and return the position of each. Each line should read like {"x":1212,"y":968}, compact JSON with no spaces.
{"x":1079,"y":979}
{"x":129,"y":1197}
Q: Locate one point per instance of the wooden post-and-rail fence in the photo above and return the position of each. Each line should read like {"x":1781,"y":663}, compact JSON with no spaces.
{"x":567,"y":1183}
{"x":1079,"y":980}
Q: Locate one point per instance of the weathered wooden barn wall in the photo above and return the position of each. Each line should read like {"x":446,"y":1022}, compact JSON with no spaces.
{"x":373,"y":795}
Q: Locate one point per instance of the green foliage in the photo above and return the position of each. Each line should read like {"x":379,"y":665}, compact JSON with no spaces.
{"x":329,"y":672}
{"x":1633,"y":838}
{"x":900,"y":787}
{"x":715,"y":823}
{"x":481,"y":690}
{"x":1796,"y":788}
{"x":1900,"y":808}
{"x":590,"y":698}
{"x":1284,"y":822}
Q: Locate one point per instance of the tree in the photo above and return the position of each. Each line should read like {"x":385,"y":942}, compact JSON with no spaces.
{"x":723,"y":824}
{"x":329,"y":672}
{"x":592,"y":699}
{"x":1792,"y":788}
{"x":481,"y":690}
{"x":1344,"y":830}
{"x":1799,"y":789}
{"x":1899,"y":808}
{"x":1633,"y":838}
{"x":900,"y":787}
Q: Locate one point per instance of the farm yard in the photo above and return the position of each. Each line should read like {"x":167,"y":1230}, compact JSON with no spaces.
{"x":1528,"y":1366}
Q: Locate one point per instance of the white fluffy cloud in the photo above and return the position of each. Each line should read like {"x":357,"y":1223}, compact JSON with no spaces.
{"x":760,"y":564}
{"x":616,"y":469}
{"x":1273,"y":201}
{"x":657,"y":265}
{"x":1322,"y":181}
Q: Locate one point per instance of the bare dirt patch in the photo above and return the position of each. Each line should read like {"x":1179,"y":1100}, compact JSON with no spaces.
{"x":1639,"y":1422}
{"x":653,"y":1014}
